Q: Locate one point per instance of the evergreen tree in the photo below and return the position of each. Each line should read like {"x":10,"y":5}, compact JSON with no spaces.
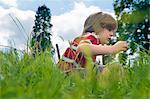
{"x":133,"y":21}
{"x":41,"y":34}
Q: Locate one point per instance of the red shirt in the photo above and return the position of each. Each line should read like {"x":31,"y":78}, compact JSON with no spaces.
{"x":77,"y":58}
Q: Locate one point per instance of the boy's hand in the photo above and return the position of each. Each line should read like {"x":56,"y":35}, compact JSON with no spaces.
{"x":120,"y":46}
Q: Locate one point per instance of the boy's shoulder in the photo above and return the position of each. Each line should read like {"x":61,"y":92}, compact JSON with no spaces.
{"x":91,"y":37}
{"x":86,"y":36}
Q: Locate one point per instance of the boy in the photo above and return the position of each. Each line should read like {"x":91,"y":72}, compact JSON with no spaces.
{"x":98,"y":30}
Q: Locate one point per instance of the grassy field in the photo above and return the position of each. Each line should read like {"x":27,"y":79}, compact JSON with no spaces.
{"x":39,"y":78}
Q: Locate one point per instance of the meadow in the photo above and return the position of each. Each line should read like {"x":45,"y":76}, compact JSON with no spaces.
{"x":27,"y":77}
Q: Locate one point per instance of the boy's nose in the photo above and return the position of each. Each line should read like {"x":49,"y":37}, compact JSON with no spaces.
{"x":111,"y":34}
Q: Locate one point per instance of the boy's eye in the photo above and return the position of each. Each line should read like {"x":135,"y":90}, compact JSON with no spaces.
{"x":109,"y":30}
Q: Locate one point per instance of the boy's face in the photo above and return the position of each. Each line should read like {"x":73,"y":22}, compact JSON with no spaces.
{"x":105,"y":36}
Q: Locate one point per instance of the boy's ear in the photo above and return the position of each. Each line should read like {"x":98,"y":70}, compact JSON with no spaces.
{"x":102,"y":25}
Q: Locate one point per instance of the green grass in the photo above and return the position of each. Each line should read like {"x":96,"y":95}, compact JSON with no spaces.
{"x":39,"y":78}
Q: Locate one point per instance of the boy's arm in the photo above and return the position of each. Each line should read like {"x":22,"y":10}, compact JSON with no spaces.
{"x":91,"y":49}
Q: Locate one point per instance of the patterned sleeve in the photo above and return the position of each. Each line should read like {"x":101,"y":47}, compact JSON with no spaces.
{"x":90,"y":39}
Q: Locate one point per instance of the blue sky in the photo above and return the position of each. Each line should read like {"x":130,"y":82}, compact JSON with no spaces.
{"x":68,"y":17}
{"x":57,"y":6}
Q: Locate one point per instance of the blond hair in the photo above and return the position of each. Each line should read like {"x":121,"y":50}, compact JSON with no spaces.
{"x":97,"y":21}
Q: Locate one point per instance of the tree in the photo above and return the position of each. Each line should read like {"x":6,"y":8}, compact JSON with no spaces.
{"x":41,"y":36}
{"x":133,"y":23}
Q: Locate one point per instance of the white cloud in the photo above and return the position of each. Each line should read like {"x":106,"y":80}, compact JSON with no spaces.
{"x":69,"y":24}
{"x":8,"y":29}
{"x":9,"y":2}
